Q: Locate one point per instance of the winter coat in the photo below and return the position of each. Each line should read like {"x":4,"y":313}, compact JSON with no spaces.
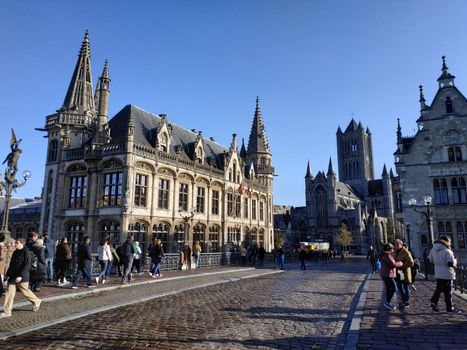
{"x":196,"y":249}
{"x":388,"y":265}
{"x":20,"y":265}
{"x":39,"y":272}
{"x":403,"y":255}
{"x":128,"y":251}
{"x":49,"y":248}
{"x":156,"y":253}
{"x":84,"y":255}
{"x":63,"y":253}
{"x":104,"y":253}
{"x":442,"y":256}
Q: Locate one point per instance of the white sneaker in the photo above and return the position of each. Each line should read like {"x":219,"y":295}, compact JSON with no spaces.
{"x":73,"y":287}
{"x":103,"y":281}
{"x":36,"y":307}
{"x":4,"y":315}
{"x":97,"y":280}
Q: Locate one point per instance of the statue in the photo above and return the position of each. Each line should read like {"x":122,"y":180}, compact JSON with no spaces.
{"x":107,"y":136}
{"x":12,"y":159}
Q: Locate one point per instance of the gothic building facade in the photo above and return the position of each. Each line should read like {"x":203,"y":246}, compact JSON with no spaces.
{"x":366,"y":206}
{"x":139,"y":173}
{"x":432,"y":163}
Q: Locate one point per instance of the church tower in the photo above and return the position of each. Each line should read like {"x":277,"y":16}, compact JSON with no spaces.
{"x":355,"y":157}
{"x":258,"y":152}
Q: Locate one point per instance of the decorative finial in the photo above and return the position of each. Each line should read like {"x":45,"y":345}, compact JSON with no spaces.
{"x":422,"y":98}
{"x":444,"y":62}
{"x":258,"y":108}
{"x":105,"y":72}
{"x":399,"y":131}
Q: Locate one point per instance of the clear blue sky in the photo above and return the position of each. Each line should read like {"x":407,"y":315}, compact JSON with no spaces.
{"x":313,"y":64}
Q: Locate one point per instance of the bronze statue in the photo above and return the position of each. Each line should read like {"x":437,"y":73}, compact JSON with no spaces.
{"x":12,"y":159}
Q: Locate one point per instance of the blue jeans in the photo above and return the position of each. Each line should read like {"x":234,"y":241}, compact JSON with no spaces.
{"x":196,"y":260}
{"x":83,"y":271}
{"x":404,"y":291}
{"x":280,"y":261}
{"x":156,"y":267}
{"x":103,"y":265}
{"x":390,"y":285}
{"x":49,"y":265}
{"x":108,"y":270}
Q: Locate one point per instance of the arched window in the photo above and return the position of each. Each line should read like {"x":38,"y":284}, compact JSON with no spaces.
{"x":139,"y":231}
{"x":198,"y":235}
{"x":321,"y":200}
{"x":110,"y":230}
{"x":235,"y":172}
{"x":74,"y":231}
{"x":163,"y":142}
{"x":448,"y":103}
{"x":179,"y":233}
{"x":53,"y":151}
{"x":161,"y":231}
{"x":214,"y":237}
{"x":199,"y":155}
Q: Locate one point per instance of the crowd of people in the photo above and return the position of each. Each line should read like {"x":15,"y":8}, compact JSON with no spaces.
{"x":398,"y":269}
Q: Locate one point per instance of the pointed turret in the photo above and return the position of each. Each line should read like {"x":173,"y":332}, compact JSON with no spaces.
{"x":243,"y":150}
{"x":79,"y":96}
{"x":258,"y":142}
{"x":360,"y":126}
{"x":399,"y":131}
{"x":308,"y":175}
{"x":330,"y":168}
{"x":339,"y":130}
{"x":391,"y":174}
{"x":422,"y":98}
{"x":352,"y":126}
{"x":233,"y":145}
{"x":385,"y":171}
{"x":446,"y":78}
{"x":368,"y":130}
{"x":103,"y":92}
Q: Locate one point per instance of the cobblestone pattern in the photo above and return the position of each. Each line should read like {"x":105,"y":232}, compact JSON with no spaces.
{"x":417,"y":327}
{"x":291,"y":310}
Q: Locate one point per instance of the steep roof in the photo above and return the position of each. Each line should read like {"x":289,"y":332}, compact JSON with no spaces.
{"x":258,"y":142}
{"x":346,"y":190}
{"x":145,"y":126}
{"x":352,"y":126}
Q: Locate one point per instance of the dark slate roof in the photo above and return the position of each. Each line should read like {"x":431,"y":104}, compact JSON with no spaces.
{"x":406,"y":144}
{"x":352,"y":126}
{"x":375,"y":187}
{"x":13,"y":202}
{"x":346,"y":190}
{"x":145,"y":126}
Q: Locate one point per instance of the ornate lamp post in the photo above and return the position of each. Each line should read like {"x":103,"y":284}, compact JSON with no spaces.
{"x":8,"y":185}
{"x":428,"y":214}
{"x":186,"y":219}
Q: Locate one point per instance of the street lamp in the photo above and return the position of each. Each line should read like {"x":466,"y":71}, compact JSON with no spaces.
{"x":408,"y":234}
{"x":428,"y":214}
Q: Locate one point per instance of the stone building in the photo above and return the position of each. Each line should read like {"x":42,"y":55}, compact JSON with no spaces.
{"x":140,"y":173}
{"x":24,"y":217}
{"x":363,"y":204}
{"x":433,"y":163}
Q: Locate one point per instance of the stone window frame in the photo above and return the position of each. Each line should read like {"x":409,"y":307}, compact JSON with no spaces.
{"x":215,"y":200}
{"x":183,"y":196}
{"x":112,"y":188}
{"x":163,"y":194}
{"x":140,"y":196}
{"x":200,"y":199}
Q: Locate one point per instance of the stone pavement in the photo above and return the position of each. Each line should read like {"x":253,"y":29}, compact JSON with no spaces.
{"x":417,"y":327}
{"x":292,"y":310}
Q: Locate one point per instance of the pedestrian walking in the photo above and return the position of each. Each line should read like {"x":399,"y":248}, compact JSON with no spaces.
{"x":18,"y":278}
{"x":187,"y":255}
{"x":252,"y":254}
{"x":128,"y":254}
{"x":156,"y":254}
{"x":49,"y":246}
{"x":302,"y":257}
{"x":115,"y":259}
{"x":84,"y":263}
{"x":120,"y":259}
{"x":388,"y":274}
{"x":38,"y":268}
{"x":137,"y":258}
{"x":197,"y":253}
{"x":181,"y":257}
{"x":261,"y":254}
{"x":62,"y":260}
{"x":372,"y":256}
{"x":280,"y":256}
{"x":103,"y":256}
{"x":442,"y":257}
{"x":3,"y":253}
{"x":403,"y":273}
{"x":243,"y":253}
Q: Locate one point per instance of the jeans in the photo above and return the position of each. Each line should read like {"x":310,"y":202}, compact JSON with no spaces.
{"x":390,"y":284}
{"x":103,"y":266}
{"x":127,"y":265}
{"x":280,"y":261}
{"x":36,"y":285}
{"x":404,"y":290}
{"x":156,"y":267}
{"x":108,"y":270}
{"x":49,"y":265}
{"x":303,"y":266}
{"x":83,"y":271}
{"x":196,"y":260}
{"x":444,"y":286}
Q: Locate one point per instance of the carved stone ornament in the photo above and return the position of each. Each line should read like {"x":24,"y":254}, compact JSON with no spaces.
{"x":453,"y":138}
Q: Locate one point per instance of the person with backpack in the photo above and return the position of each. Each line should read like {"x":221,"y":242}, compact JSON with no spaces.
{"x":388,"y":274}
{"x":128,"y":253}
{"x":84,"y":263}
{"x":156,"y":254}
{"x":18,"y":278}
{"x":38,"y":268}
{"x":62,"y":260}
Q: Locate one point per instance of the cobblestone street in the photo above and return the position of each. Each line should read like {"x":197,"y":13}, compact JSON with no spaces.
{"x":290,"y":310}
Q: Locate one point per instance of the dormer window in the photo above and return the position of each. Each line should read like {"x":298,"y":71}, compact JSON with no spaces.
{"x":199,"y":155}
{"x":448,"y":103}
{"x":163,"y":142}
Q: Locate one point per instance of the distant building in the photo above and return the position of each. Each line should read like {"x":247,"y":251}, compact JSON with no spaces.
{"x":363,"y":204}
{"x":433,"y":163}
{"x":24,"y":218}
{"x":290,"y":223}
{"x":140,"y":173}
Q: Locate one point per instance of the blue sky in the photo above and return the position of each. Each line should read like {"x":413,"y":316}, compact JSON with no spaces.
{"x":313,"y":64}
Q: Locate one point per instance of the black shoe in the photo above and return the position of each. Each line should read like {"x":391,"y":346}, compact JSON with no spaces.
{"x":455,"y":311}
{"x":434,"y":307}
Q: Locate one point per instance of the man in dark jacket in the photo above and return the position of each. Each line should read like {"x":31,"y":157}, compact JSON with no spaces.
{"x":157,"y":254}
{"x":373,"y":257}
{"x":84,"y":264}
{"x":128,"y":253}
{"x":18,"y":277}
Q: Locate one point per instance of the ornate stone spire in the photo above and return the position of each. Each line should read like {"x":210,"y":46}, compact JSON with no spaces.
{"x":258,"y":142}
{"x":308,"y":172}
{"x":243,"y":149}
{"x":79,"y":95}
{"x":399,"y":131}
{"x":422,"y":98}
{"x":330,"y":168}
{"x":103,"y":91}
{"x":385,"y":171}
{"x":446,"y":78}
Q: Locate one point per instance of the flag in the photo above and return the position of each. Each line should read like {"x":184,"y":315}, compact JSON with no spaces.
{"x":240,"y":189}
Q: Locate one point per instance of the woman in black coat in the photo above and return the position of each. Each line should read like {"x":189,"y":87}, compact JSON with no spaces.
{"x":38,"y":268}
